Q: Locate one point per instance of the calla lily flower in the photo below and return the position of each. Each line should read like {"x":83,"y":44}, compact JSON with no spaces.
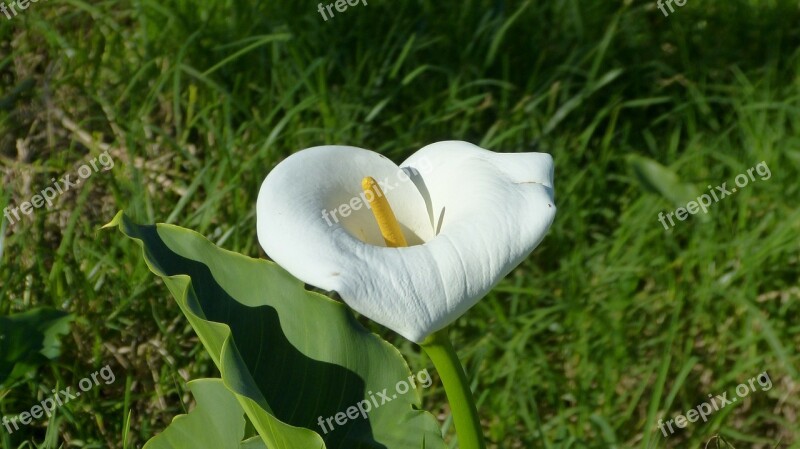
{"x":468,"y":215}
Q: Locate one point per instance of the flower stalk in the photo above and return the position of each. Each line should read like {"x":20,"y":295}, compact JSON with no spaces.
{"x":456,"y":387}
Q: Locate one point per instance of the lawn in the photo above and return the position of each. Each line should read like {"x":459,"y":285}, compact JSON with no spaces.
{"x":617,"y":321}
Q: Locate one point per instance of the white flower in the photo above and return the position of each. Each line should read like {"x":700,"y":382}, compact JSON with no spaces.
{"x":469,"y":215}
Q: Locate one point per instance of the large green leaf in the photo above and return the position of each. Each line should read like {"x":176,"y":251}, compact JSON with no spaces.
{"x":30,"y":339}
{"x":292,"y":356}
{"x":216,"y":423}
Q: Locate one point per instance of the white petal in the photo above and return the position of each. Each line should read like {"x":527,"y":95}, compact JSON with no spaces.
{"x":490,"y":211}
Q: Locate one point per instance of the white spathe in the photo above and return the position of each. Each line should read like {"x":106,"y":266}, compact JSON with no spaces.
{"x":470,"y":216}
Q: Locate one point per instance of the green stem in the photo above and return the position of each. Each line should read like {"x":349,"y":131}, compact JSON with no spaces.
{"x":456,"y":387}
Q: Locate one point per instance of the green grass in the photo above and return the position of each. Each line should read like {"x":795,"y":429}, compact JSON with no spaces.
{"x":611,"y":324}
